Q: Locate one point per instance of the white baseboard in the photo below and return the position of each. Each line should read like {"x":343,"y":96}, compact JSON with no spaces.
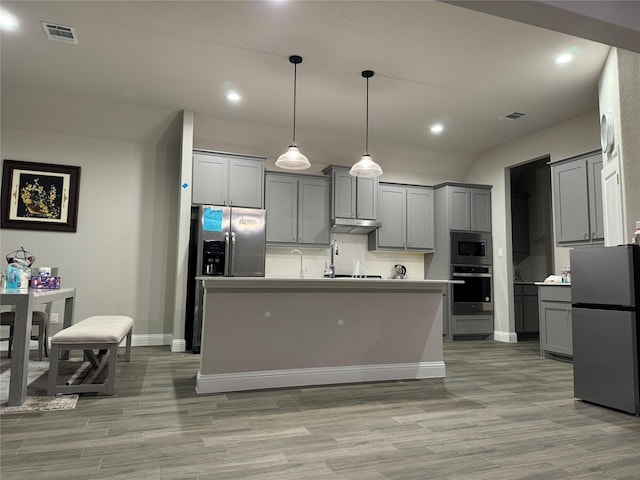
{"x":508,"y":337}
{"x":178,"y":345}
{"x":230,"y":382}
{"x":151,"y":339}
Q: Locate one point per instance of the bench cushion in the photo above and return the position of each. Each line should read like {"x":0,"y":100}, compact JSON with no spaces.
{"x":96,"y":329}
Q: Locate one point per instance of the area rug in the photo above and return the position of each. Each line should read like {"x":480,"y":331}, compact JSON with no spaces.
{"x":37,"y":399}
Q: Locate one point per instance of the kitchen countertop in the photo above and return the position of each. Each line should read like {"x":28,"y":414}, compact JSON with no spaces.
{"x":542,"y":284}
{"x":235,"y":283}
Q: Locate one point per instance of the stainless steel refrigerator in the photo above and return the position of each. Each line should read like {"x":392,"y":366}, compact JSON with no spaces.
{"x":605,"y":295}
{"x":230,"y":242}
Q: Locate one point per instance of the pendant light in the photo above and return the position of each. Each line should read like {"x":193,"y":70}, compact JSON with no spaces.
{"x":366,"y":167}
{"x":293,"y":159}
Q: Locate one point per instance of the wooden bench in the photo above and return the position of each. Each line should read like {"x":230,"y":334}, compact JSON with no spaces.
{"x":102,"y":333}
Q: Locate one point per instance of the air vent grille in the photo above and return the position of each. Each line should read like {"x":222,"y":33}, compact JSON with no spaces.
{"x":61,"y":33}
{"x":512,"y":116}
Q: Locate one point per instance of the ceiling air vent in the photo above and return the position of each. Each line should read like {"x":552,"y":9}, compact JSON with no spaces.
{"x":512,"y":116}
{"x":61,"y":33}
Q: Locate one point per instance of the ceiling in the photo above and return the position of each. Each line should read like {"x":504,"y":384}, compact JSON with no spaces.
{"x":138,"y":64}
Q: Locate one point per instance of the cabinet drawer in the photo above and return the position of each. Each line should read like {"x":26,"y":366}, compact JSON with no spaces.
{"x":555,"y":294}
{"x":471,"y":324}
{"x":531,"y":290}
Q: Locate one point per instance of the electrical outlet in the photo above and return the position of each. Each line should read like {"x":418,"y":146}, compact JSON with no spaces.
{"x":500,"y":252}
{"x":53,"y":319}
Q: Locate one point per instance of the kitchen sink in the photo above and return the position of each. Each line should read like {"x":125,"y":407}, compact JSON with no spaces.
{"x":345,"y":275}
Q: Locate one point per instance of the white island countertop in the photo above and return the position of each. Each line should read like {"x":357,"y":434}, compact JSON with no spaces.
{"x":324,"y":283}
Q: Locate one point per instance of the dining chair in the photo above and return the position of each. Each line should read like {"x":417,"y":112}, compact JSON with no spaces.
{"x":39,"y":319}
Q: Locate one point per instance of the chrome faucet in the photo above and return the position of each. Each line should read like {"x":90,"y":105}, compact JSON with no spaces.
{"x":334,"y":253}
{"x":295,"y":250}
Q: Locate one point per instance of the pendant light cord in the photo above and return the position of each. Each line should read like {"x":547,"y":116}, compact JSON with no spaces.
{"x":295,"y":87}
{"x":366,"y":136}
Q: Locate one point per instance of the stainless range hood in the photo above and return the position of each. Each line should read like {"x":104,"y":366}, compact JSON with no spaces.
{"x":354,"y":225}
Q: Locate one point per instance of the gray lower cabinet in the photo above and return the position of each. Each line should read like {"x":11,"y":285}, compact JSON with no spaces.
{"x":471,"y":325}
{"x":227,"y":179}
{"x":577,"y":200}
{"x":526,"y":310}
{"x":297,"y":209}
{"x":555,"y":320}
{"x":407,"y":217}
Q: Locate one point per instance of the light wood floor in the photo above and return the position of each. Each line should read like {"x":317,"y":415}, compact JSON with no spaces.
{"x":502,"y":413}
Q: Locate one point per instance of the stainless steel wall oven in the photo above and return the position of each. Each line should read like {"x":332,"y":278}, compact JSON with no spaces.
{"x":476,"y":294}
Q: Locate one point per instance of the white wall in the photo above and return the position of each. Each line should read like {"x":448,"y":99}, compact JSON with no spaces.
{"x":576,"y":136}
{"x":619,"y":93}
{"x":121,"y":259}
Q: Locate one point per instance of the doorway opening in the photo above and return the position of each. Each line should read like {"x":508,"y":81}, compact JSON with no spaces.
{"x":531,"y":240}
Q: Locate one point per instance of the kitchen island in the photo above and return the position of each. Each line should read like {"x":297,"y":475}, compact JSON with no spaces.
{"x":281,"y":332}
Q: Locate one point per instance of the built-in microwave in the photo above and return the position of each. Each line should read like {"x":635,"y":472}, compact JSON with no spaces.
{"x":471,"y":248}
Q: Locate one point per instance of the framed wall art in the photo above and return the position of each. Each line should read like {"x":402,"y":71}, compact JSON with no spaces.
{"x":39,"y":196}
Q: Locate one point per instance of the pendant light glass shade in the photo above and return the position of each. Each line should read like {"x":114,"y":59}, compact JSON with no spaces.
{"x":293,"y":159}
{"x":366,"y":167}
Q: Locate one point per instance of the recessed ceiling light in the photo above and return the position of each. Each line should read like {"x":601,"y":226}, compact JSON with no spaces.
{"x":564,"y":58}
{"x":8,"y":21}
{"x":233,"y":97}
{"x":437,"y":128}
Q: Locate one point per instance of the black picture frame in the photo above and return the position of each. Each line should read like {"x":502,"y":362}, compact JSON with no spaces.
{"x":39,"y":196}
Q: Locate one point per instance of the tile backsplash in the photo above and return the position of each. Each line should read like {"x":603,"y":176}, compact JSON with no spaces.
{"x":353,"y":258}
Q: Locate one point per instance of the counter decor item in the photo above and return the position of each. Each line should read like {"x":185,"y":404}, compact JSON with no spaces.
{"x":44,"y":282}
{"x":19,"y":268}
{"x":39,"y":196}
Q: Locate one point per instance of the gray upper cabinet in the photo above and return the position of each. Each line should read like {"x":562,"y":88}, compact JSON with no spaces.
{"x":407,"y":217}
{"x":297,"y":209}
{"x":393,"y":216}
{"x":281,"y":203}
{"x":577,"y":200}
{"x":231,"y":180}
{"x":469,"y":208}
{"x":420,"y":222}
{"x":353,"y":197}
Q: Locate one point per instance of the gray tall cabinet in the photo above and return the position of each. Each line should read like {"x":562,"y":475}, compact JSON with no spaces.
{"x":227,"y":179}
{"x":458,"y":207}
{"x":407,"y":217}
{"x":297,"y":209}
{"x":577,"y":200}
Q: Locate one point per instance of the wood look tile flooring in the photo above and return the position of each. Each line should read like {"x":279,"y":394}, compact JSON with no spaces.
{"x":501,"y":413}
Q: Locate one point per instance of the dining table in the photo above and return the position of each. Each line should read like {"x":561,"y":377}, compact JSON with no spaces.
{"x":25,"y":300}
